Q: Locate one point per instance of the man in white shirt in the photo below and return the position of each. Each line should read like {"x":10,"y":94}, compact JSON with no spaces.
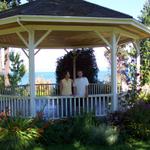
{"x":81,"y":85}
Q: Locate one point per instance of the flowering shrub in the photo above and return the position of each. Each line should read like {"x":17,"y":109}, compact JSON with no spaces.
{"x":17,"y":133}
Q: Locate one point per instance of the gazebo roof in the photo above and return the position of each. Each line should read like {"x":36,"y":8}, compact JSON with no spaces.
{"x":76,"y":8}
{"x":67,"y":24}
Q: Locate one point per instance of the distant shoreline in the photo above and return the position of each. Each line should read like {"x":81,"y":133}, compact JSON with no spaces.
{"x":51,"y":77}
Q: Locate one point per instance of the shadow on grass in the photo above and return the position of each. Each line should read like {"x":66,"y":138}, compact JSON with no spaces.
{"x":78,"y":146}
{"x":141,"y":145}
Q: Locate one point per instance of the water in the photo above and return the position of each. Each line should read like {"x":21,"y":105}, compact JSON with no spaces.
{"x":51,"y":77}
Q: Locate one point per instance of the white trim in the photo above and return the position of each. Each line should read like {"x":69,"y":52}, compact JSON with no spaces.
{"x":11,"y":30}
{"x":42,"y":38}
{"x":119,"y":36}
{"x":103,"y":38}
{"x":36,"y":18}
{"x":140,"y":26}
{"x":126,"y":33}
{"x":56,"y":47}
{"x":22,"y":39}
{"x":23,"y":49}
{"x":56,"y":97}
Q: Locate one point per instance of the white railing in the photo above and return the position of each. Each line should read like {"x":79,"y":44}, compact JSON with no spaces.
{"x":15,"y":105}
{"x":56,"y":107}
{"x":63,"y":107}
{"x":52,"y":89}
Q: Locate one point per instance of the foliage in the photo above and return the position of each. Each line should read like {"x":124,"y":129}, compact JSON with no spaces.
{"x":44,"y":88}
{"x":55,"y":132}
{"x":126,"y":67}
{"x":85,"y":61}
{"x":145,"y":61}
{"x":17,"y":69}
{"x":145,"y":16}
{"x":2,"y":83}
{"x":134,"y":145}
{"x":3,"y":5}
{"x":6,"y":4}
{"x":145,"y":96}
{"x":122,"y":63}
{"x":103,"y":134}
{"x":85,"y":129}
{"x":135,"y":122}
{"x":17,"y":133}
{"x":145,"y":46}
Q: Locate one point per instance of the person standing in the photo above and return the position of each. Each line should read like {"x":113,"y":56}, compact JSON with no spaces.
{"x":81,"y":85}
{"x":66,"y":85}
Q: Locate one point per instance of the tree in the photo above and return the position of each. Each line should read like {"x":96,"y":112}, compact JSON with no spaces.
{"x":145,"y":46}
{"x":3,"y":5}
{"x":2,"y":84}
{"x":85,"y":61}
{"x":6,"y":4}
{"x":17,"y":69}
{"x":122,"y":58}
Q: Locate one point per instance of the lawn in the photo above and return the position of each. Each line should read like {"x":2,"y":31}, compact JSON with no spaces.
{"x":77,"y":146}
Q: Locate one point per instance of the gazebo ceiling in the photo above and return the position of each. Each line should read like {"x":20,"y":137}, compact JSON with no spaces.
{"x":71,"y":23}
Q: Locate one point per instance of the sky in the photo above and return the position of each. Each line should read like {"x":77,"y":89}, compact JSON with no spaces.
{"x":45,"y":60}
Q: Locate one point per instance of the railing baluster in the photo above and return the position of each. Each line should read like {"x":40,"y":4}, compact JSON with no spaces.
{"x":70,"y":101}
{"x":96,"y":106}
{"x":62,"y":109}
{"x":53,"y":108}
{"x":104,"y":106}
{"x":79,"y":105}
{"x":87,"y":99}
{"x":92,"y":99}
{"x":66,"y":106}
{"x":75,"y":110}
{"x":57,"y":105}
{"x":84,"y":105}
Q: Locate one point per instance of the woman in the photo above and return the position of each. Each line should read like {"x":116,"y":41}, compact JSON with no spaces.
{"x":66,"y":85}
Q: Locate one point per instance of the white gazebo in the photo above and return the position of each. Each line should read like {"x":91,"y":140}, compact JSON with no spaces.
{"x":44,"y":24}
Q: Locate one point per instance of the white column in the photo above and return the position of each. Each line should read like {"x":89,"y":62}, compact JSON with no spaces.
{"x":32,"y":72}
{"x":114,"y":73}
{"x":137,"y":47}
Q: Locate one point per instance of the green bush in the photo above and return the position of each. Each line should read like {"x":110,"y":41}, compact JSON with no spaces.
{"x":103,"y":134}
{"x":135,"y":122}
{"x":144,"y":96}
{"x":17,"y":133}
{"x":57,"y":132}
{"x":85,"y":129}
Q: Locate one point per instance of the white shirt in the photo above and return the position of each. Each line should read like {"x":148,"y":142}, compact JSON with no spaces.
{"x":80,"y":84}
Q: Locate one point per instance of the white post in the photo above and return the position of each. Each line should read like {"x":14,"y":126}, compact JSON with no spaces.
{"x":114,"y":73}
{"x":137,"y":47}
{"x":32,"y":73}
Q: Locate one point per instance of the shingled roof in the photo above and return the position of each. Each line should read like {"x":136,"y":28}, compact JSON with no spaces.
{"x":74,"y":8}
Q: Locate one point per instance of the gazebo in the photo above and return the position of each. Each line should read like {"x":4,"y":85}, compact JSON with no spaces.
{"x":53,"y":24}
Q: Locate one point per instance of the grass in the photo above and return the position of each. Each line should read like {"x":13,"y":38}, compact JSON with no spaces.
{"x":135,"y":145}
